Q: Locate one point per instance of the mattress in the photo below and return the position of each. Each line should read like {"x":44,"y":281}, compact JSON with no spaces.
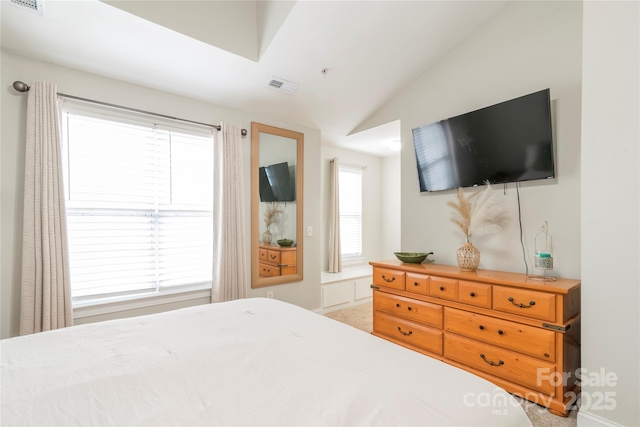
{"x":251,"y":362}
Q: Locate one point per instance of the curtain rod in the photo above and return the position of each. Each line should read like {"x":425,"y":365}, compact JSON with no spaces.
{"x":353,"y":165}
{"x":23,"y":87}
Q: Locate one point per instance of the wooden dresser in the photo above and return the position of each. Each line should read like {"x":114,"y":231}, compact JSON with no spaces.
{"x":276,"y":260}
{"x":521,"y":334}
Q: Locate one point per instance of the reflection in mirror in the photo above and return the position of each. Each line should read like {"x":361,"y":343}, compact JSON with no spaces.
{"x":276,"y":205}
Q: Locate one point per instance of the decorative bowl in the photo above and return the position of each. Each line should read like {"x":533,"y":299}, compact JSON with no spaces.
{"x":285,"y":242}
{"x":412,"y":257}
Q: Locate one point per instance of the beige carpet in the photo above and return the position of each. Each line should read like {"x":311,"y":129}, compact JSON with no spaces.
{"x":361,"y":317}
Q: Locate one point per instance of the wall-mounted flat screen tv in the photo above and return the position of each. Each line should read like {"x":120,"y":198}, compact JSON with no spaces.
{"x":275,"y":183}
{"x":506,"y":142}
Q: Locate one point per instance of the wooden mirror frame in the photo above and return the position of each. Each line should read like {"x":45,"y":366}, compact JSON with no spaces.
{"x":258,"y":281}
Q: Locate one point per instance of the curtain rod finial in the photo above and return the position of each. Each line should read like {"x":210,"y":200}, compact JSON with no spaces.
{"x":21,"y":86}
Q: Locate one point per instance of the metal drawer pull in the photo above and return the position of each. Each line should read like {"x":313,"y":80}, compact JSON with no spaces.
{"x":531,"y":303}
{"x":490,"y":362}
{"x":473,"y":294}
{"x":274,"y":256}
{"x":415,"y":284}
{"x":403,"y":332}
{"x":388,"y":280}
{"x":481,"y":327}
{"x":500,"y":332}
{"x":408,"y":308}
{"x":442,"y":288}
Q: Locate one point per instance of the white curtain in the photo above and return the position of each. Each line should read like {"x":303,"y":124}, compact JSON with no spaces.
{"x":46,"y":289}
{"x":229,"y":255}
{"x":335,"y":253}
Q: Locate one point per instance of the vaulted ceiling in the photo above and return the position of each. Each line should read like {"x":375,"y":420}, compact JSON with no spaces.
{"x":347,"y":58}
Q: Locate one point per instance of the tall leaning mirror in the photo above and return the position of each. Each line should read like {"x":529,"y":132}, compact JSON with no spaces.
{"x":276,"y":205}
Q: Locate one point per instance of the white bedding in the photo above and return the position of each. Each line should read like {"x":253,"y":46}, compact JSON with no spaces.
{"x":249,"y":362}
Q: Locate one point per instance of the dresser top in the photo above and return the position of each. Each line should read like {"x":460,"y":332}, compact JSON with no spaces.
{"x":276,"y":247}
{"x":488,"y":276}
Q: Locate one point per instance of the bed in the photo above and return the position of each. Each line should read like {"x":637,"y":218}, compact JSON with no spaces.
{"x":242,"y":363}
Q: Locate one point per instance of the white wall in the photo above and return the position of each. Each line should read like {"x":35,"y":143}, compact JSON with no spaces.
{"x":527,"y":47}
{"x":391,"y":207}
{"x":305,"y":293}
{"x":610,"y":212}
{"x":231,"y":26}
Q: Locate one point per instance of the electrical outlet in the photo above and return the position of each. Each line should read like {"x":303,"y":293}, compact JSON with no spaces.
{"x":270,"y":294}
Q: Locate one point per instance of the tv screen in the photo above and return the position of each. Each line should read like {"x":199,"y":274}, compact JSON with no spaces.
{"x":506,"y":142}
{"x":275,"y":183}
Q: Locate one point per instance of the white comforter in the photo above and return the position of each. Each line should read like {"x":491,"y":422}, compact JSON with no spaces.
{"x":249,"y":362}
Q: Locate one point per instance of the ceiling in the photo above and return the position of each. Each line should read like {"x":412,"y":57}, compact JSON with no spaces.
{"x":348,"y":58}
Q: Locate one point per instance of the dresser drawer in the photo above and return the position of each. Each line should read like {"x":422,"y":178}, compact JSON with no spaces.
{"x":388,"y":278}
{"x":273,"y":257}
{"x":501,"y":363}
{"x":441,"y":287}
{"x":262,"y":255}
{"x":473,"y":293}
{"x":536,"y":342}
{"x":417,"y":311}
{"x":418,"y":283}
{"x":524,"y":302}
{"x":266,"y":270}
{"x":408,"y":332}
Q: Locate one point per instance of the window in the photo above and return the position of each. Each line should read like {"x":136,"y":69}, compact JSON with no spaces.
{"x":139,"y":204}
{"x":432,"y":152}
{"x":350,"y":182}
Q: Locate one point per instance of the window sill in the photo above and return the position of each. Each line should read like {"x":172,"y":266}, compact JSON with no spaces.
{"x":101,"y":306}
{"x":352,"y":261}
{"x":346,"y":274}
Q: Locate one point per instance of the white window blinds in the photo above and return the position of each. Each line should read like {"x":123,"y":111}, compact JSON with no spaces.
{"x":433,"y":153}
{"x":139,"y":205}
{"x":350,"y":182}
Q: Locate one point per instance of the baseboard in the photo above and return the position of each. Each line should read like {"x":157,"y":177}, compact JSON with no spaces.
{"x":586,"y":419}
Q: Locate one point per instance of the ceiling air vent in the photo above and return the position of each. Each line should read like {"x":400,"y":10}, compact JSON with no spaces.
{"x":31,"y":5}
{"x":281,"y":85}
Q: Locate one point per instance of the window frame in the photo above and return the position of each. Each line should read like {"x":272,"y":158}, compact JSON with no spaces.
{"x":92,"y":305}
{"x":352,"y":258}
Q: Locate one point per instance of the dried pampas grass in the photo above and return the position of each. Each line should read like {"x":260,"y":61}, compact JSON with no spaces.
{"x":478,"y":213}
{"x":271,"y":213}
{"x":462,"y":212}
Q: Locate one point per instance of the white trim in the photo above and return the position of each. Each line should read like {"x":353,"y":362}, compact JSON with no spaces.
{"x":114,"y":305}
{"x":352,"y":260}
{"x":587,"y":419}
{"x":345,"y":274}
{"x":352,"y":167}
